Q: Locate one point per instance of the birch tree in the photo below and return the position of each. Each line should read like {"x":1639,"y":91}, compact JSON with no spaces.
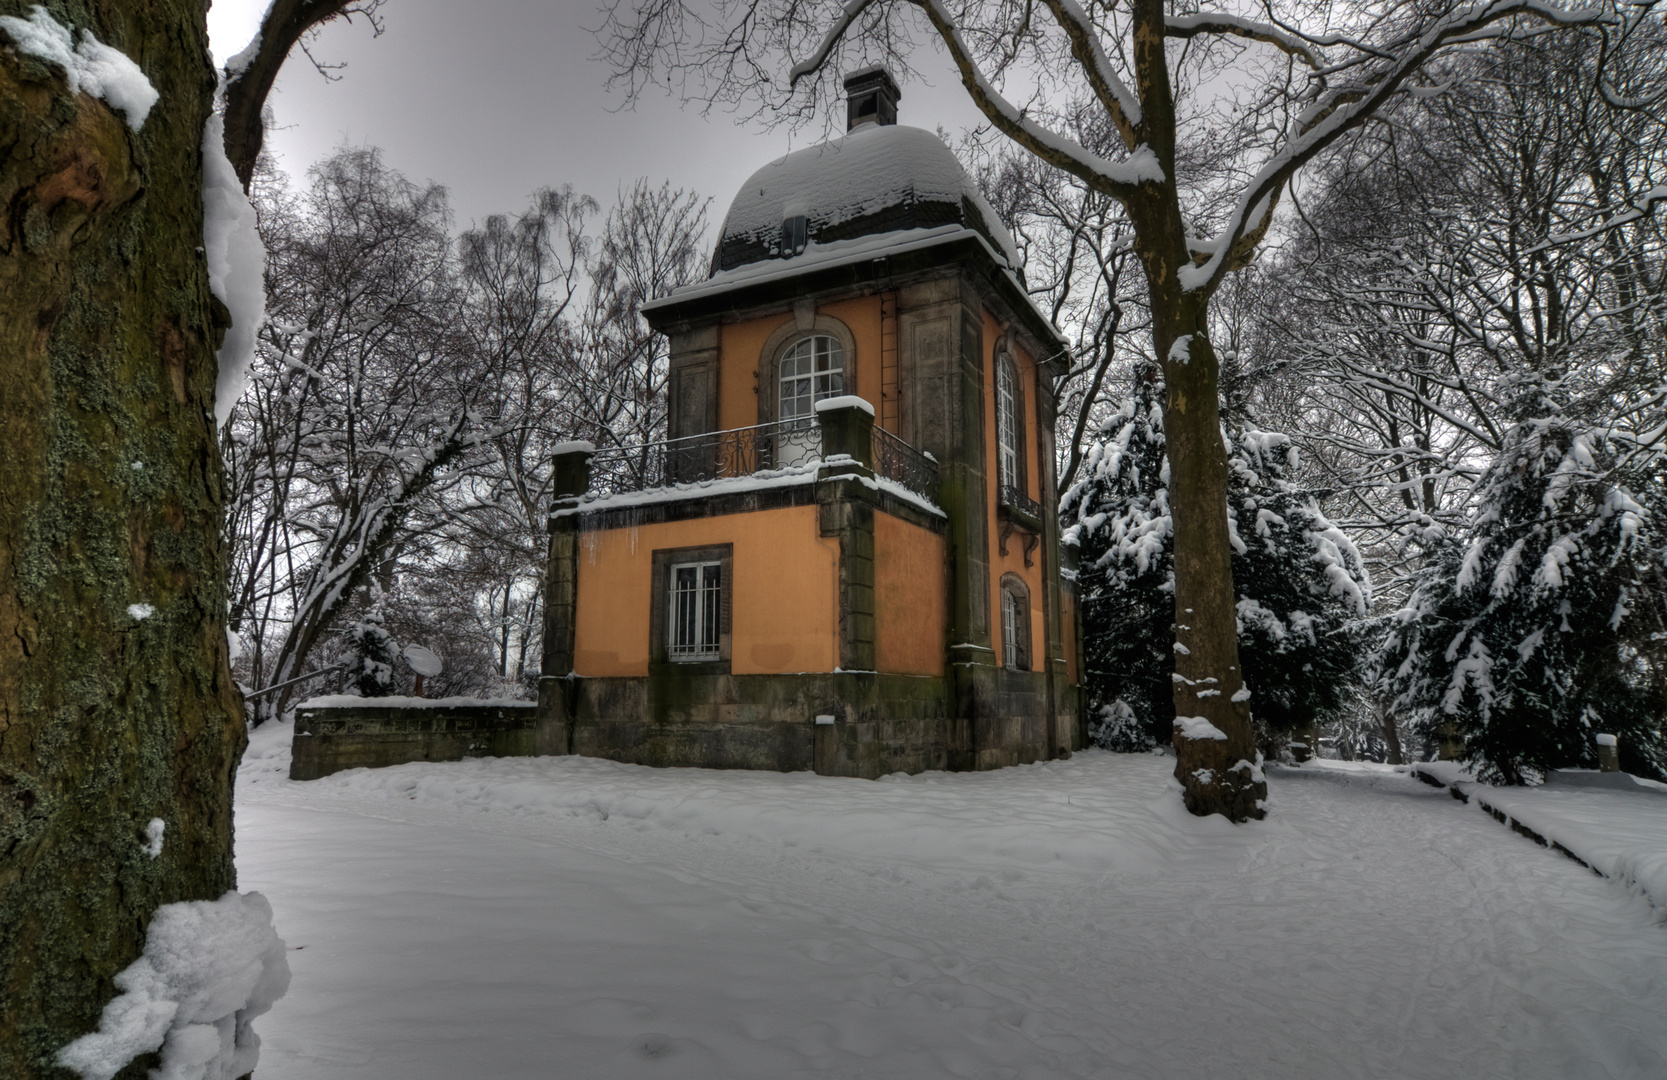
{"x":1200,"y":170}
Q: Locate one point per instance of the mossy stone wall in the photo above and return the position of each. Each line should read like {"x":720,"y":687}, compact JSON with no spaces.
{"x":330,"y":739}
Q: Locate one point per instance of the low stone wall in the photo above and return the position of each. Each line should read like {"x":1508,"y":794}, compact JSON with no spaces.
{"x":881,"y":723}
{"x":330,"y":737}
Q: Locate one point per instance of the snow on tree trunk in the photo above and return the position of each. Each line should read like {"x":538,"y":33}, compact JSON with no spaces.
{"x":1302,"y":587}
{"x":112,"y":506}
{"x":1217,"y":761}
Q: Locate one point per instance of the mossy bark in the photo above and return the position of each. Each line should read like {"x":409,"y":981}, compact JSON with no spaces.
{"x":110,"y":496}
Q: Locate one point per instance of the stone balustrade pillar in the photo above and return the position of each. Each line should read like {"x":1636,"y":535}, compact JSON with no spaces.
{"x":847,"y":430}
{"x":561,"y":599}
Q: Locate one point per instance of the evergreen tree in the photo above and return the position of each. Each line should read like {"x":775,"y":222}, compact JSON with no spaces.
{"x":1301,"y":585}
{"x":1541,"y":626}
{"x":371,"y":653}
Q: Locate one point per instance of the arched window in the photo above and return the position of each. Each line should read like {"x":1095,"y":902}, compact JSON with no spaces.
{"x":811,"y":370}
{"x":1015,"y":623}
{"x":1010,"y":462}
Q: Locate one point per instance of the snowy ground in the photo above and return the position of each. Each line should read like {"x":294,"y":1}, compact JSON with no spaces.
{"x":567,"y":917}
{"x":1620,"y":832}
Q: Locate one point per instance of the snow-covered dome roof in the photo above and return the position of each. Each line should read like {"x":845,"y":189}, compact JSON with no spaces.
{"x":877,"y":178}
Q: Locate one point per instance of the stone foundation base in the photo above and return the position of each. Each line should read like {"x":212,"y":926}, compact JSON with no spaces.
{"x":880,"y":723}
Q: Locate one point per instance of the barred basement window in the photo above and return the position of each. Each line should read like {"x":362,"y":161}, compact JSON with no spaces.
{"x":695,"y":610}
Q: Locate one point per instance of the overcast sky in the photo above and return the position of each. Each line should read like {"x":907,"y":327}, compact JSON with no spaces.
{"x":495,"y":98}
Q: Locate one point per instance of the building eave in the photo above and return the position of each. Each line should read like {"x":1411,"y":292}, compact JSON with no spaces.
{"x":859,"y":268}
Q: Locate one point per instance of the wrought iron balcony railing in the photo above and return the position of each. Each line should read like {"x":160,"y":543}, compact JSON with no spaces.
{"x":896,"y":460}
{"x":1012,"y":499}
{"x":716,"y":455}
{"x":739,"y":452}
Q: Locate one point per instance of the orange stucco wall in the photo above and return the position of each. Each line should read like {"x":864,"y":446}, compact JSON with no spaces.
{"x":1013,"y":561}
{"x":909,"y":605}
{"x":784,"y":606}
{"x":741,"y":343}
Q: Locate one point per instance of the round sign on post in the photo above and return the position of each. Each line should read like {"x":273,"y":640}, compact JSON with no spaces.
{"x":424,"y":662}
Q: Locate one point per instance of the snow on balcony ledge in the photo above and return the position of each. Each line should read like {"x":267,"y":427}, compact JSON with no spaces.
{"x":698,"y":489}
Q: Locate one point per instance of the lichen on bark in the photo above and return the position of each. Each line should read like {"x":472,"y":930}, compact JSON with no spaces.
{"x":110,"y":492}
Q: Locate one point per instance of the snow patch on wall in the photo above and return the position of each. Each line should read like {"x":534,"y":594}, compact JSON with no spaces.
{"x":236,"y":266}
{"x":209,"y":968}
{"x":91,"y":67}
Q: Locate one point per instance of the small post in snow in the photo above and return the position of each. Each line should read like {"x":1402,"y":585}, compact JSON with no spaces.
{"x":1609,"y":754}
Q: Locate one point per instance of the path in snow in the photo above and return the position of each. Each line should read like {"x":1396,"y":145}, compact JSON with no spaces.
{"x":575,"y":918}
{"x":1613,"y":822}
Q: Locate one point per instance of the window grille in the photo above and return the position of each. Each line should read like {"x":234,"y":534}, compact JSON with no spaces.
{"x":696,"y":607}
{"x":812,"y":370}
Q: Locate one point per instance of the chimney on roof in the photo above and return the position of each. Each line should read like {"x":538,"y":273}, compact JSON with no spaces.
{"x":871,"y":97}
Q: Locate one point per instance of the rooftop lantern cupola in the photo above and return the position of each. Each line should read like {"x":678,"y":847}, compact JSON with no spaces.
{"x":871,"y":97}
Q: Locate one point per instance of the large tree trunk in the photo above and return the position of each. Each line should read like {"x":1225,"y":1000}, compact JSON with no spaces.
{"x":1215,"y":748}
{"x":111,"y":714}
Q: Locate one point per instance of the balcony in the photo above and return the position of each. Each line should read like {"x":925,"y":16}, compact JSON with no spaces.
{"x":1018,"y":513}
{"x":841,"y":436}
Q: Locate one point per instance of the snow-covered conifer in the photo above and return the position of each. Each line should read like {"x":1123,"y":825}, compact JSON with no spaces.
{"x":1541,"y":625}
{"x":370,"y":656}
{"x":1301,"y":584}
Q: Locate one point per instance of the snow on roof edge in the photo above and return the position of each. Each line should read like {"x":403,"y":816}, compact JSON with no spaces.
{"x":838,"y":254}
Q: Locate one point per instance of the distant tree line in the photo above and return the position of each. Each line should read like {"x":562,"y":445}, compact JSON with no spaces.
{"x":392,"y":453}
{"x":1460,"y":328}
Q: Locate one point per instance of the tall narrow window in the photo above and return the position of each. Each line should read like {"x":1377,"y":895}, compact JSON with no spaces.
{"x":695,"y":607}
{"x":1007,"y":427}
{"x":1009,"y":629}
{"x":1015,"y":623}
{"x":812,"y":370}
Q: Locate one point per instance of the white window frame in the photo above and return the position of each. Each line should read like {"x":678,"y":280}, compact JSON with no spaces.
{"x":823,"y":360}
{"x":1007,"y":442}
{"x":694,"y":617}
{"x":1009,"y":629}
